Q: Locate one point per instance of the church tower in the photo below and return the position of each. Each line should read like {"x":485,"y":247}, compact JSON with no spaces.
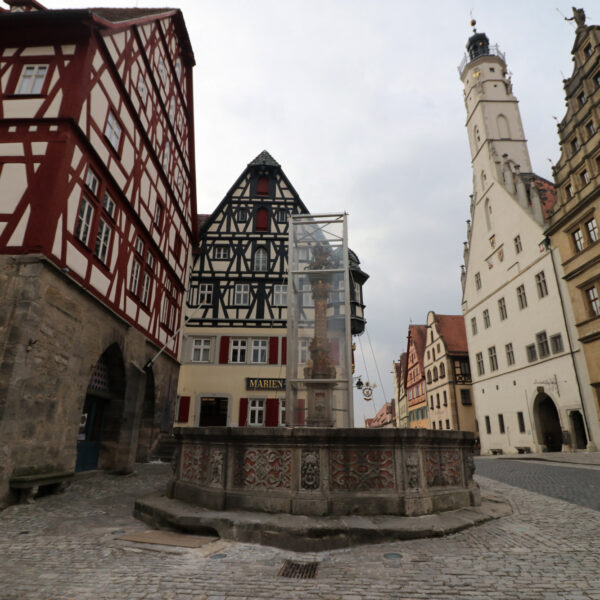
{"x":519,"y":331}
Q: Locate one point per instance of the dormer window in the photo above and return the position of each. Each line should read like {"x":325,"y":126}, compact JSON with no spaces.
{"x":32,"y":79}
{"x":262,"y":186}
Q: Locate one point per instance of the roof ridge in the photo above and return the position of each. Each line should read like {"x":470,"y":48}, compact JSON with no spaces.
{"x":264,"y":159}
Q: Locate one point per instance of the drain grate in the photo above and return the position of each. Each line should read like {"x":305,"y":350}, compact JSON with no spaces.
{"x":298,"y":570}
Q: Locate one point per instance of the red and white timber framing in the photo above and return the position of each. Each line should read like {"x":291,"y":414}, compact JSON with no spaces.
{"x":97,"y":154}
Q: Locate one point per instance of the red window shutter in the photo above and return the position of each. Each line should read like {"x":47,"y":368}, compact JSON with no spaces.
{"x":262,"y":219}
{"x":273,"y":350}
{"x":335,"y":351}
{"x":224,"y":351}
{"x":262,"y":186}
{"x":284,"y":351}
{"x":272,"y":412}
{"x":184,"y":409}
{"x":243,"y":412}
{"x":300,"y":412}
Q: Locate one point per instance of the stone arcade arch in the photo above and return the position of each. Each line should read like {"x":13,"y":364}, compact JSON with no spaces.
{"x":580,"y":439}
{"x":100,"y":423}
{"x":547,"y":422}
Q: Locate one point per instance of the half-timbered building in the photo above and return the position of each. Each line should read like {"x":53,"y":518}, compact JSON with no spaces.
{"x":235,"y":350}
{"x":97,"y":200}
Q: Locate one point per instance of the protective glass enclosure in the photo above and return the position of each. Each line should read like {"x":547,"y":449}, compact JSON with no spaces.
{"x":319,"y":354}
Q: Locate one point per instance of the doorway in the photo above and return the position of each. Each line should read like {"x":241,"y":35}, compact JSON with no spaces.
{"x":578,"y":430}
{"x":548,"y":423}
{"x":213,"y":412}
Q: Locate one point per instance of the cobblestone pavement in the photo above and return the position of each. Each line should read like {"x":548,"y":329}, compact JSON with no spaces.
{"x":65,"y":547}
{"x":579,"y":485}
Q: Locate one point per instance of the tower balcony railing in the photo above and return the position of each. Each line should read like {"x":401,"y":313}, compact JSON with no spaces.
{"x":492,"y":50}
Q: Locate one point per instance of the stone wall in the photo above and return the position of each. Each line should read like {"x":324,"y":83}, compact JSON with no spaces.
{"x":325,"y":471}
{"x":52,"y":333}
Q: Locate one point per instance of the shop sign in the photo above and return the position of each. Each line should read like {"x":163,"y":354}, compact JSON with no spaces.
{"x":260,"y":383}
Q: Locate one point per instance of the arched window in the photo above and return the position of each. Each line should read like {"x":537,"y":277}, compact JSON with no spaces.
{"x":428,"y":376}
{"x":435,"y":374}
{"x":262,"y":219}
{"x":442,"y":371}
{"x":503,"y":128}
{"x":261,"y":259}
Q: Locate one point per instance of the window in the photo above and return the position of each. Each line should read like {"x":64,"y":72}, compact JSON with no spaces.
{"x":102,"y":240}
{"x":238,"y":351}
{"x":142,"y":89}
{"x":146,"y":280}
{"x":502,"y":309}
{"x":113,"y":131}
{"x":435,"y":374}
{"x":262,"y":219}
{"x":540,"y":282}
{"x":303,"y":350}
{"x":92,"y":182}
{"x":256,"y":412}
{"x":447,"y":424}
{"x":242,"y":294}
{"x":431,"y":401}
{"x":261,"y":260}
{"x":578,"y":240}
{"x":32,"y":79}
{"x":206,"y":294}
{"x":542,"y":344}
{"x":139,"y":246}
{"x":510,"y":354}
{"x":531,"y":353}
{"x":556,"y":343}
{"x":108,"y":204}
{"x":594,"y":303}
{"x":135,"y":276}
{"x":242,"y":215}
{"x":518,"y":245}
{"x":178,"y":67}
{"x":445,"y":399}
{"x":429,"y":376}
{"x":493,"y":358}
{"x":488,"y":425}
{"x":440,"y":423}
{"x":84,"y":220}
{"x":465,"y":397}
{"x":282,"y":411}
{"x":221,"y":252}
{"x":158,"y":216}
{"x":442,"y":371}
{"x":262,"y":186}
{"x":592,"y":229}
{"x":150,"y":260}
{"x":575,"y":145}
{"x":588,"y":50}
{"x":521,"y":421}
{"x":582,"y":98}
{"x":474,"y":325}
{"x":570,"y":191}
{"x":433,"y":424}
{"x":477,"y":281}
{"x":585,"y":177}
{"x":597,"y":79}
{"x":177,"y":246}
{"x":162,"y":71}
{"x":282,"y":215}
{"x":259,"y":351}
{"x":486,"y":318}
{"x":521,"y":297}
{"x":590,"y":128}
{"x":480,"y":367}
{"x":172,"y":110}
{"x":437,"y":400}
{"x":280,"y":295}
{"x":501,"y":423}
{"x":166,"y":162}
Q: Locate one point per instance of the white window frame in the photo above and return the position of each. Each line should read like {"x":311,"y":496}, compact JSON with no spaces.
{"x":201,"y":350}
{"x":205,"y":294}
{"x":238,"y":350}
{"x":303,"y":350}
{"x":113,"y":130}
{"x":280,"y":294}
{"x":281,"y":413}
{"x":260,"y":351}
{"x":109,"y":205}
{"x":134,"y":280}
{"x":221,"y":252}
{"x":578,"y":239}
{"x":261,"y":259}
{"x":84,"y":220}
{"x":256,"y":412}
{"x":92,"y":181}
{"x":540,"y":282}
{"x":103,"y":240}
{"x":146,"y":281}
{"x":241,"y":296}
{"x":32,"y":80}
{"x":592,"y":228}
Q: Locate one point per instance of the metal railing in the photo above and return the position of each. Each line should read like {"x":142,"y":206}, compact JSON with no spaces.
{"x":493,"y":50}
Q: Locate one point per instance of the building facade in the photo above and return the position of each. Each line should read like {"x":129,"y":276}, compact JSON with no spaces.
{"x":530,"y":384}
{"x":447,"y":374}
{"x":400,"y":401}
{"x":235,"y":346}
{"x":414,"y":384}
{"x":97,"y":196}
{"x":572,"y":226}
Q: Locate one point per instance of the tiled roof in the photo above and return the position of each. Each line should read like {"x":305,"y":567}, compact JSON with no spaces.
{"x":264,"y":159}
{"x":546,"y":191}
{"x":400,"y":366}
{"x":418,"y":333}
{"x":200,"y":220}
{"x":117,"y":15}
{"x":452,"y":329}
{"x":383,"y":417}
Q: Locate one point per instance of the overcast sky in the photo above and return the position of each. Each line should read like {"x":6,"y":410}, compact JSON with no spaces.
{"x":361,"y":103}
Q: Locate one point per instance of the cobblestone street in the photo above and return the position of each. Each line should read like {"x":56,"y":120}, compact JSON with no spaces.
{"x":65,"y":547}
